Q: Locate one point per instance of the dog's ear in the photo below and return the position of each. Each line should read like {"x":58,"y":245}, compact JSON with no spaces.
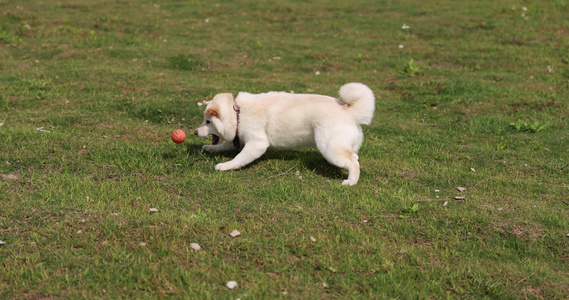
{"x":223,"y":99}
{"x":219,"y":105}
{"x":214,"y":111}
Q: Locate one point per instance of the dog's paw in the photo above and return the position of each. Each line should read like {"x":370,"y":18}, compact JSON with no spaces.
{"x":224,"y":166}
{"x":349,"y":182}
{"x":209,"y":148}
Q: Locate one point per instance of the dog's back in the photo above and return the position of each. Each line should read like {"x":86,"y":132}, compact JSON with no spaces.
{"x":287,"y":120}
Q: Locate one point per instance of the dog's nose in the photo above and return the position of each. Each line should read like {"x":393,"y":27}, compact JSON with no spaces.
{"x":196,"y":132}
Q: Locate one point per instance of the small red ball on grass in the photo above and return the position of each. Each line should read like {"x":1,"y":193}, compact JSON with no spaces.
{"x":178,"y":136}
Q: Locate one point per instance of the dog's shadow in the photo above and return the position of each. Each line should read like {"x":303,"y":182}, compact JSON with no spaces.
{"x":310,"y":159}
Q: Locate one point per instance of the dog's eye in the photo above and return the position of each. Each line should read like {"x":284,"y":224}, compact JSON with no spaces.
{"x":208,"y":121}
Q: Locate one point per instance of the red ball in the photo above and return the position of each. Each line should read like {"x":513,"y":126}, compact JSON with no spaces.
{"x":178,"y":136}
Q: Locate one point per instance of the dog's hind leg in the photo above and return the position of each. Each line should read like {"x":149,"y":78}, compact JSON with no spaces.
{"x":347,"y":159}
{"x":250,"y":152}
{"x":340,"y":146}
{"x":353,"y":167}
{"x":344,"y":158}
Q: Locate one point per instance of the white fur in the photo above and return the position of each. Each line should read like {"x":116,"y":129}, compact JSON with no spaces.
{"x":285,"y":121}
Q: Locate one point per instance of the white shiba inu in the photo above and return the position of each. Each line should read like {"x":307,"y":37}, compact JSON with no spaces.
{"x":284,"y":121}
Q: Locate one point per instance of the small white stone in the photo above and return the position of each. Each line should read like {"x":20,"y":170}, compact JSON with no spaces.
{"x":153,"y":209}
{"x":312,"y":239}
{"x":472,"y":169}
{"x":401,"y":46}
{"x":2,"y":243}
{"x":458,"y":198}
{"x":460,"y":189}
{"x":324,"y":285}
{"x":200,"y":103}
{"x":234,"y":233}
{"x":1,"y":124}
{"x":445,"y":204}
{"x":207,"y":20}
{"x":195,"y":246}
{"x":317,"y":73}
{"x":142,"y":244}
{"x":231,"y":284}
{"x":436,"y":191}
{"x":79,"y":231}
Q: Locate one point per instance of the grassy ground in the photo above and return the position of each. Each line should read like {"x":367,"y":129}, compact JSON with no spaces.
{"x":473,"y":94}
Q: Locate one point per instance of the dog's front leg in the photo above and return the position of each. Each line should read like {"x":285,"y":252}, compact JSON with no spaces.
{"x":225,"y":146}
{"x":250,"y":152}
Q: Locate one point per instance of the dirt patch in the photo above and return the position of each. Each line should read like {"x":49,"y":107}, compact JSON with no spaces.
{"x":11,"y":176}
{"x":524,"y":231}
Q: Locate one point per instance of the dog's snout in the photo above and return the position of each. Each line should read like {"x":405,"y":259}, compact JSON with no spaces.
{"x":196,"y":132}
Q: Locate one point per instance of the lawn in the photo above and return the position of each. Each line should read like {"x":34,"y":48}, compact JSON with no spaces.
{"x":464,"y":188}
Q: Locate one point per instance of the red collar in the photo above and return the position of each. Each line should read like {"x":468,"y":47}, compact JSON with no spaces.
{"x":237,"y":109}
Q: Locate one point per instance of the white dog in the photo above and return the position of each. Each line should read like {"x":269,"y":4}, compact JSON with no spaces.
{"x":285,"y":121}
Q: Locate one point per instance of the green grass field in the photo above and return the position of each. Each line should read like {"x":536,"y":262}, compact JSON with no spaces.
{"x":473,"y":94}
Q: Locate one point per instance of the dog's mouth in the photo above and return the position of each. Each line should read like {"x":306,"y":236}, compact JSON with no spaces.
{"x":214,"y":139}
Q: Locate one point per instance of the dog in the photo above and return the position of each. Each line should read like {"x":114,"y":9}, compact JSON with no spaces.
{"x":255,"y":122}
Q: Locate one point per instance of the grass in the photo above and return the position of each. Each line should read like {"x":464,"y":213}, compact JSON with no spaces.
{"x":476,"y":97}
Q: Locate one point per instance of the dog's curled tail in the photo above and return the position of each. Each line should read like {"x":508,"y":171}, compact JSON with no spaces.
{"x":360,"y":101}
